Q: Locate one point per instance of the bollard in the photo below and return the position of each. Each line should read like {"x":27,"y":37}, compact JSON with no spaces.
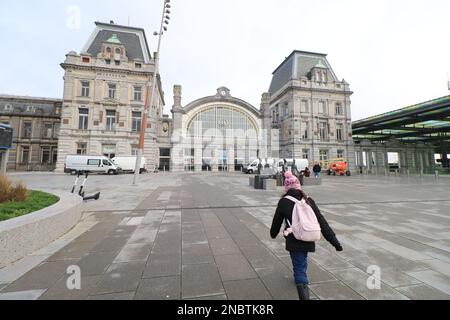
{"x":436,"y":175}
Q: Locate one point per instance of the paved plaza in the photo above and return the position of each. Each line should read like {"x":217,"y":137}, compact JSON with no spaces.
{"x":206,"y":236}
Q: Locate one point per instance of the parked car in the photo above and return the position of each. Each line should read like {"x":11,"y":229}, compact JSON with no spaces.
{"x":128,"y":164}
{"x":92,"y":164}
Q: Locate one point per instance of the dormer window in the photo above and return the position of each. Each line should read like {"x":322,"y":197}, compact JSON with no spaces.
{"x":9,"y":108}
{"x":138,"y":65}
{"x":86,"y":60}
{"x":108,"y":50}
{"x":31,"y":109}
{"x":118,"y":51}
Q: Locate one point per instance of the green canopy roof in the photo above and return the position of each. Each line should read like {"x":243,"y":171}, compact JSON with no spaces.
{"x":114,"y":39}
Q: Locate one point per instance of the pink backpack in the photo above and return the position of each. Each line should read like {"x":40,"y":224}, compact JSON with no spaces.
{"x":305,"y":225}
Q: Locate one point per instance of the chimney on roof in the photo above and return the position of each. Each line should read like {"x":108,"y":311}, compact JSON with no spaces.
{"x":111,"y":21}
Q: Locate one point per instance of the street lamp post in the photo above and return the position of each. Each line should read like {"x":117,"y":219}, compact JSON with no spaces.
{"x":164,"y":22}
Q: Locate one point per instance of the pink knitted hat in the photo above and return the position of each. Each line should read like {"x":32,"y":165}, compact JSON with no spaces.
{"x":291,"y":182}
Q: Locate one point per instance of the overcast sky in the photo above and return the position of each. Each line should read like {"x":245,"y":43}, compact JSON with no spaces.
{"x":394,"y":53}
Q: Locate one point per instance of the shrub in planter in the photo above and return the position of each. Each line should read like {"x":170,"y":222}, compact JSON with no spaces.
{"x":9,"y":192}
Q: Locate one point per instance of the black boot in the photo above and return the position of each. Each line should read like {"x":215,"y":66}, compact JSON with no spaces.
{"x":303,"y":292}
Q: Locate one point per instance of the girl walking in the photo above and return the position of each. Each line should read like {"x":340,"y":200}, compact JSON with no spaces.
{"x":299,"y":249}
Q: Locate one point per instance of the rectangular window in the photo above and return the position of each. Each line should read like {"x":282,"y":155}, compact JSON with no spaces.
{"x":339,"y":109}
{"x":136,"y":121}
{"x":304,"y":106}
{"x":305,"y":154}
{"x":134,"y":150}
{"x":96,"y":163}
{"x":322,"y":107}
{"x":110,"y":120}
{"x":339,"y":132}
{"x":56,"y":128}
{"x":85,"y":88}
{"x":286,"y":110}
{"x":83,"y":122}
{"x":86,"y":60}
{"x":45,"y":155}
{"x":341,"y":154}
{"x":27,"y":130}
{"x":137,"y":93}
{"x":323,"y":134}
{"x":164,"y":152}
{"x":48,"y":131}
{"x":25,"y":157}
{"x":323,"y":155}
{"x":305,"y":130}
{"x":138,"y":65}
{"x":82,"y":148}
{"x":112,"y":91}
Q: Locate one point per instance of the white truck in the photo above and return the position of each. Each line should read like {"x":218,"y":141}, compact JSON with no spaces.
{"x":277,"y":165}
{"x":92,"y":164}
{"x":128,"y":164}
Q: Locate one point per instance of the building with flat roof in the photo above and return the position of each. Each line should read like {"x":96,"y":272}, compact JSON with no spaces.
{"x":36,"y":124}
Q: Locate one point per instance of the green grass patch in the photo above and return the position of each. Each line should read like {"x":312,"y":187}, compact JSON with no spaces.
{"x":36,"y":200}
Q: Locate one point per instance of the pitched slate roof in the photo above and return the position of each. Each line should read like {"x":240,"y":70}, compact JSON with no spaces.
{"x":133,"y":39}
{"x":299,"y":64}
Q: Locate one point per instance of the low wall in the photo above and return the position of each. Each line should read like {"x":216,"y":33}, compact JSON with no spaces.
{"x":24,"y":235}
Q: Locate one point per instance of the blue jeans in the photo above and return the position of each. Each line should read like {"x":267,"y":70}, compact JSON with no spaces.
{"x":300,"y":264}
{"x":317,"y":175}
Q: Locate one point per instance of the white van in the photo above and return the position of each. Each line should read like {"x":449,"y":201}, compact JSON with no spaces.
{"x":253,"y":166}
{"x":128,"y":164}
{"x":94,"y":164}
{"x":300,"y":163}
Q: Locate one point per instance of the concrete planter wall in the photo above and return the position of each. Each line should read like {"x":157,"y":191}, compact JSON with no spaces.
{"x":24,"y":235}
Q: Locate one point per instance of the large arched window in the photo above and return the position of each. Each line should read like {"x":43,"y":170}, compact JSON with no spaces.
{"x":221,"y":121}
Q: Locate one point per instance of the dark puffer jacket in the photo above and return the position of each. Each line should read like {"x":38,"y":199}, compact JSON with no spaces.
{"x":284,"y":211}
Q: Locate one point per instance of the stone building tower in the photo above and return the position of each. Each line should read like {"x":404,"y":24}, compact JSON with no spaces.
{"x":311,"y":108}
{"x":105,"y":89}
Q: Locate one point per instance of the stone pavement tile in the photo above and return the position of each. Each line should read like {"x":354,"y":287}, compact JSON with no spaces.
{"x":221,"y":297}
{"x":22,"y":295}
{"x":122,"y":296}
{"x":121,"y":277}
{"x":259,"y":256}
{"x":357,"y":280}
{"x":111,"y":244}
{"x":402,"y":251}
{"x":252,"y":289}
{"x":383,"y":259}
{"x":59,"y":290}
{"x":433,"y":279}
{"x":329,"y":261}
{"x":96,"y":263}
{"x":423,"y":292}
{"x":3,"y":285}
{"x":235,"y":267}
{"x":439,"y":266}
{"x":143,"y":235}
{"x":190,"y":216}
{"x":334,"y":291}
{"x":277,"y":247}
{"x":194,"y":237}
{"x":223,"y":247}
{"x":438,"y":254}
{"x":124,"y":230}
{"x":281,"y":285}
{"x":316,"y":274}
{"x":217,"y":233}
{"x":167,"y":288}
{"x":246,"y":239}
{"x":153,"y":217}
{"x":94,"y":236}
{"x":75,"y":250}
{"x":133,"y":252}
{"x":41,"y":277}
{"x":202,"y":280}
{"x":196,"y":254}
{"x":397,"y":278}
{"x":163,"y":265}
{"x":210,"y":220}
{"x":17,"y":269}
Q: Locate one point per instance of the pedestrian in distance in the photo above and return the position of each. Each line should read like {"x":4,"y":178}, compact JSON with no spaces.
{"x":317,"y":170}
{"x":286,"y":212}
{"x":307,"y":172}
